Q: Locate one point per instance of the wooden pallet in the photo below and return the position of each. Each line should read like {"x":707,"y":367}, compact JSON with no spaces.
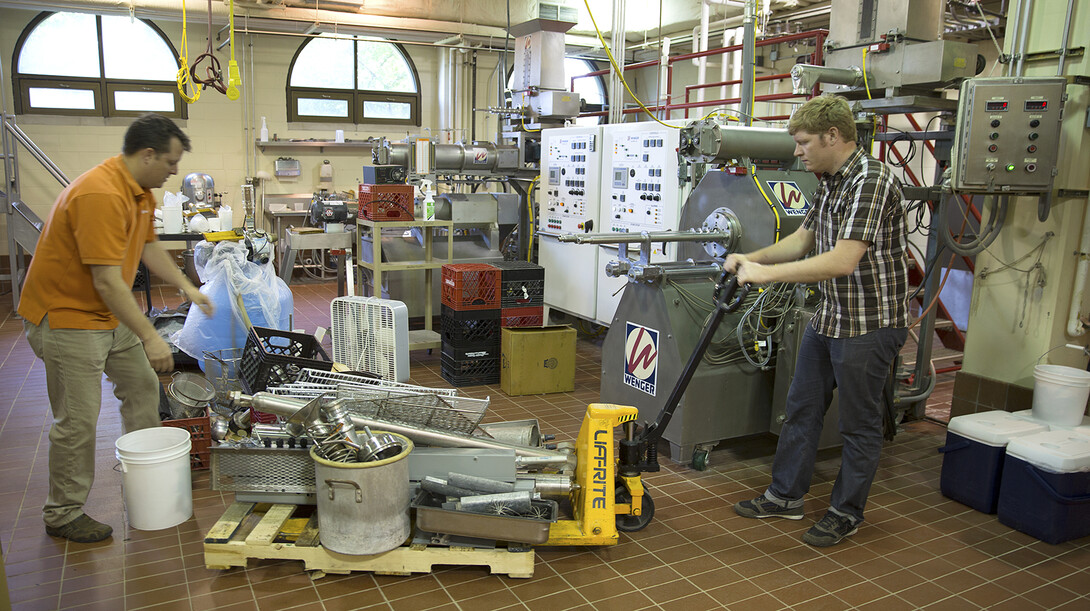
{"x":265,"y":531}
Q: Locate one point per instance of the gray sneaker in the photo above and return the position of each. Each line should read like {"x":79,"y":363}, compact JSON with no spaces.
{"x":761,"y":507}
{"x":83,"y":529}
{"x":830,"y":530}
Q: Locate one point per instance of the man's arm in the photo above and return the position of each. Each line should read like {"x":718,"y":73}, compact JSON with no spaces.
{"x":118,"y":298}
{"x":840,"y":261}
{"x":791,"y":248}
{"x":160,"y":264}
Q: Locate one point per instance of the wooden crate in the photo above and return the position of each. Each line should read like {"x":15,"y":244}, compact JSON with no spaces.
{"x":290,"y":532}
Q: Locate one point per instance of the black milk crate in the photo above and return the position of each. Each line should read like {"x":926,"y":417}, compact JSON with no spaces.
{"x":522,"y":284}
{"x":273,"y":357}
{"x":456,"y":352}
{"x":470,"y":372}
{"x":470,"y":328}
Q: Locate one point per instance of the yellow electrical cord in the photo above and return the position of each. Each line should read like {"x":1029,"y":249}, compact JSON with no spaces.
{"x":620,"y":73}
{"x":234,"y":79}
{"x":522,"y":119}
{"x":715,"y":112}
{"x":776,"y":213}
{"x":183,"y":72}
{"x":530,"y":208}
{"x":866,"y":85}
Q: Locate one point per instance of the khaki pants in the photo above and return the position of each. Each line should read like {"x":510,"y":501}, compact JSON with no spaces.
{"x":75,"y":360}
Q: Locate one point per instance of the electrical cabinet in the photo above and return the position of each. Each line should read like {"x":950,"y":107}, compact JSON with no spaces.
{"x":641,"y":192}
{"x":1008,"y":134}
{"x":569,"y":200}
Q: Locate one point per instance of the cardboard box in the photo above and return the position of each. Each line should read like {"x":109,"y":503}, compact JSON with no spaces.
{"x":537,"y":360}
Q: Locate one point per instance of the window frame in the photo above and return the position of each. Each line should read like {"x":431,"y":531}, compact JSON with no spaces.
{"x":102,"y":87}
{"x":355,"y":96}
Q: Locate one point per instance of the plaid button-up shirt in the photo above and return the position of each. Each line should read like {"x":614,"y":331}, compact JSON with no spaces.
{"x":862,"y":201}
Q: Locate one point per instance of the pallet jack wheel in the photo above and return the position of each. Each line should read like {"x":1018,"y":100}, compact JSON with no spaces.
{"x":630,"y":523}
{"x":700,"y":459}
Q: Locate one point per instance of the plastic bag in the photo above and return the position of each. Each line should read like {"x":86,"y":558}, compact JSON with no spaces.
{"x":226,"y":275}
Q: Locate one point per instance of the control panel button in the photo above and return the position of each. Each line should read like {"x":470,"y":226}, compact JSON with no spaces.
{"x":1034,"y":122}
{"x":1034,"y":135}
{"x":994,"y":135}
{"x":995,"y":122}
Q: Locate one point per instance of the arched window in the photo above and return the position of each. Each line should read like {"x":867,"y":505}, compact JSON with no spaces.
{"x":348,"y":80}
{"x":107,"y":66}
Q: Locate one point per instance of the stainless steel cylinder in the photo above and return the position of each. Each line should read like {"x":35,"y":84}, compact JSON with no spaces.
{"x":709,"y":142}
{"x":363,"y":507}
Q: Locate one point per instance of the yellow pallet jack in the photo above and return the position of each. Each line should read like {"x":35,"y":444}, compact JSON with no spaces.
{"x":610,"y":495}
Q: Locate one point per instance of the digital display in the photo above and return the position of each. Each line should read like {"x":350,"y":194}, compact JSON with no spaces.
{"x":1032,"y":105}
{"x":1000,"y":106}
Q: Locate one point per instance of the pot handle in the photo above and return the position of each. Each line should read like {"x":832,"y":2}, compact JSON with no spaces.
{"x":359,"y":491}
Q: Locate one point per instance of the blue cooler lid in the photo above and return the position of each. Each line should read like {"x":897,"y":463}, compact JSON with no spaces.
{"x":994,"y":428}
{"x":1054,"y":451}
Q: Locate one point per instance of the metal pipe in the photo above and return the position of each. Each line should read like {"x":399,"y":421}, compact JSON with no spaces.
{"x":283,"y":406}
{"x":646,"y":236}
{"x":1023,"y":35}
{"x":1066,"y":38}
{"x":708,"y":270}
{"x":616,"y":90}
{"x":748,"y":63}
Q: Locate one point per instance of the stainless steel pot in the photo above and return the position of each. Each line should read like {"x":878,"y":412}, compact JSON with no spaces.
{"x":363,"y":507}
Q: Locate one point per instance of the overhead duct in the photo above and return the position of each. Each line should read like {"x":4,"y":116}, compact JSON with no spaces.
{"x":272,"y":16}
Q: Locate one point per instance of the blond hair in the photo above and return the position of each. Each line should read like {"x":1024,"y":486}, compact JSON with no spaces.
{"x":823,"y":112}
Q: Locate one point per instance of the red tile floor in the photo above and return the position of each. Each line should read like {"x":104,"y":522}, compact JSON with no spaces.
{"x":916,"y":549}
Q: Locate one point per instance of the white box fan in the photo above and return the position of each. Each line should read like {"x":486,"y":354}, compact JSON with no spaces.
{"x":371,"y":335}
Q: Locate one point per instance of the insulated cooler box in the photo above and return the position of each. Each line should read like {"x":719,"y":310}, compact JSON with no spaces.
{"x":972,"y":464}
{"x":1046,"y":486}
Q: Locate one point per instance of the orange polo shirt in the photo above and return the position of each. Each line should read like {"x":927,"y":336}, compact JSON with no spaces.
{"x":103,"y":218}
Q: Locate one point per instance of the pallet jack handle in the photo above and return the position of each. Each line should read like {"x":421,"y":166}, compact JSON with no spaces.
{"x":726,"y":302}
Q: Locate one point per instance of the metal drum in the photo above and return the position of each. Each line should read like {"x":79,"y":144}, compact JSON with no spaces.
{"x":363,"y":507}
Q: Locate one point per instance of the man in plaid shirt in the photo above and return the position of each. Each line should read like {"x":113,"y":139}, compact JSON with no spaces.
{"x":856,"y":229}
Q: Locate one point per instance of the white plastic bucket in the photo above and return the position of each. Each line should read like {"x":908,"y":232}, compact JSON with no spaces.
{"x":157,"y":484}
{"x":1060,"y":394}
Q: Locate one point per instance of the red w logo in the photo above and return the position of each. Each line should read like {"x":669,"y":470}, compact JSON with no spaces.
{"x":791,"y":198}
{"x":646,"y":353}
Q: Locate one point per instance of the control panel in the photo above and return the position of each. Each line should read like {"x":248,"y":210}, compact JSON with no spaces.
{"x":640,"y":192}
{"x":569,"y":177}
{"x":568,"y":202}
{"x":640,"y":180}
{"x":1008,"y":134}
{"x":640,"y":183}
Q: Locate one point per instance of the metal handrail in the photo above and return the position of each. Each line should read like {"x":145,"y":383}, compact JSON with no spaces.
{"x":53,"y":169}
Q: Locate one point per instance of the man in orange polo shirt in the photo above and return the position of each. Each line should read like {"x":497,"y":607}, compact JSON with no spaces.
{"x":81,"y":317}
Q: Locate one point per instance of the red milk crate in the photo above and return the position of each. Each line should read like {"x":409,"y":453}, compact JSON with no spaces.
{"x":200,"y":433}
{"x":386,"y":202}
{"x":471,"y":286}
{"x":522,"y":317}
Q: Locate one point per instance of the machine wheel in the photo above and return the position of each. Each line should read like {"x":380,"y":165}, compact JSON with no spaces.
{"x":700,"y":459}
{"x":630,"y":523}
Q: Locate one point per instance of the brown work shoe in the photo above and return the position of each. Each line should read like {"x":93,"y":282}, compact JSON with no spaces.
{"x":83,"y":529}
